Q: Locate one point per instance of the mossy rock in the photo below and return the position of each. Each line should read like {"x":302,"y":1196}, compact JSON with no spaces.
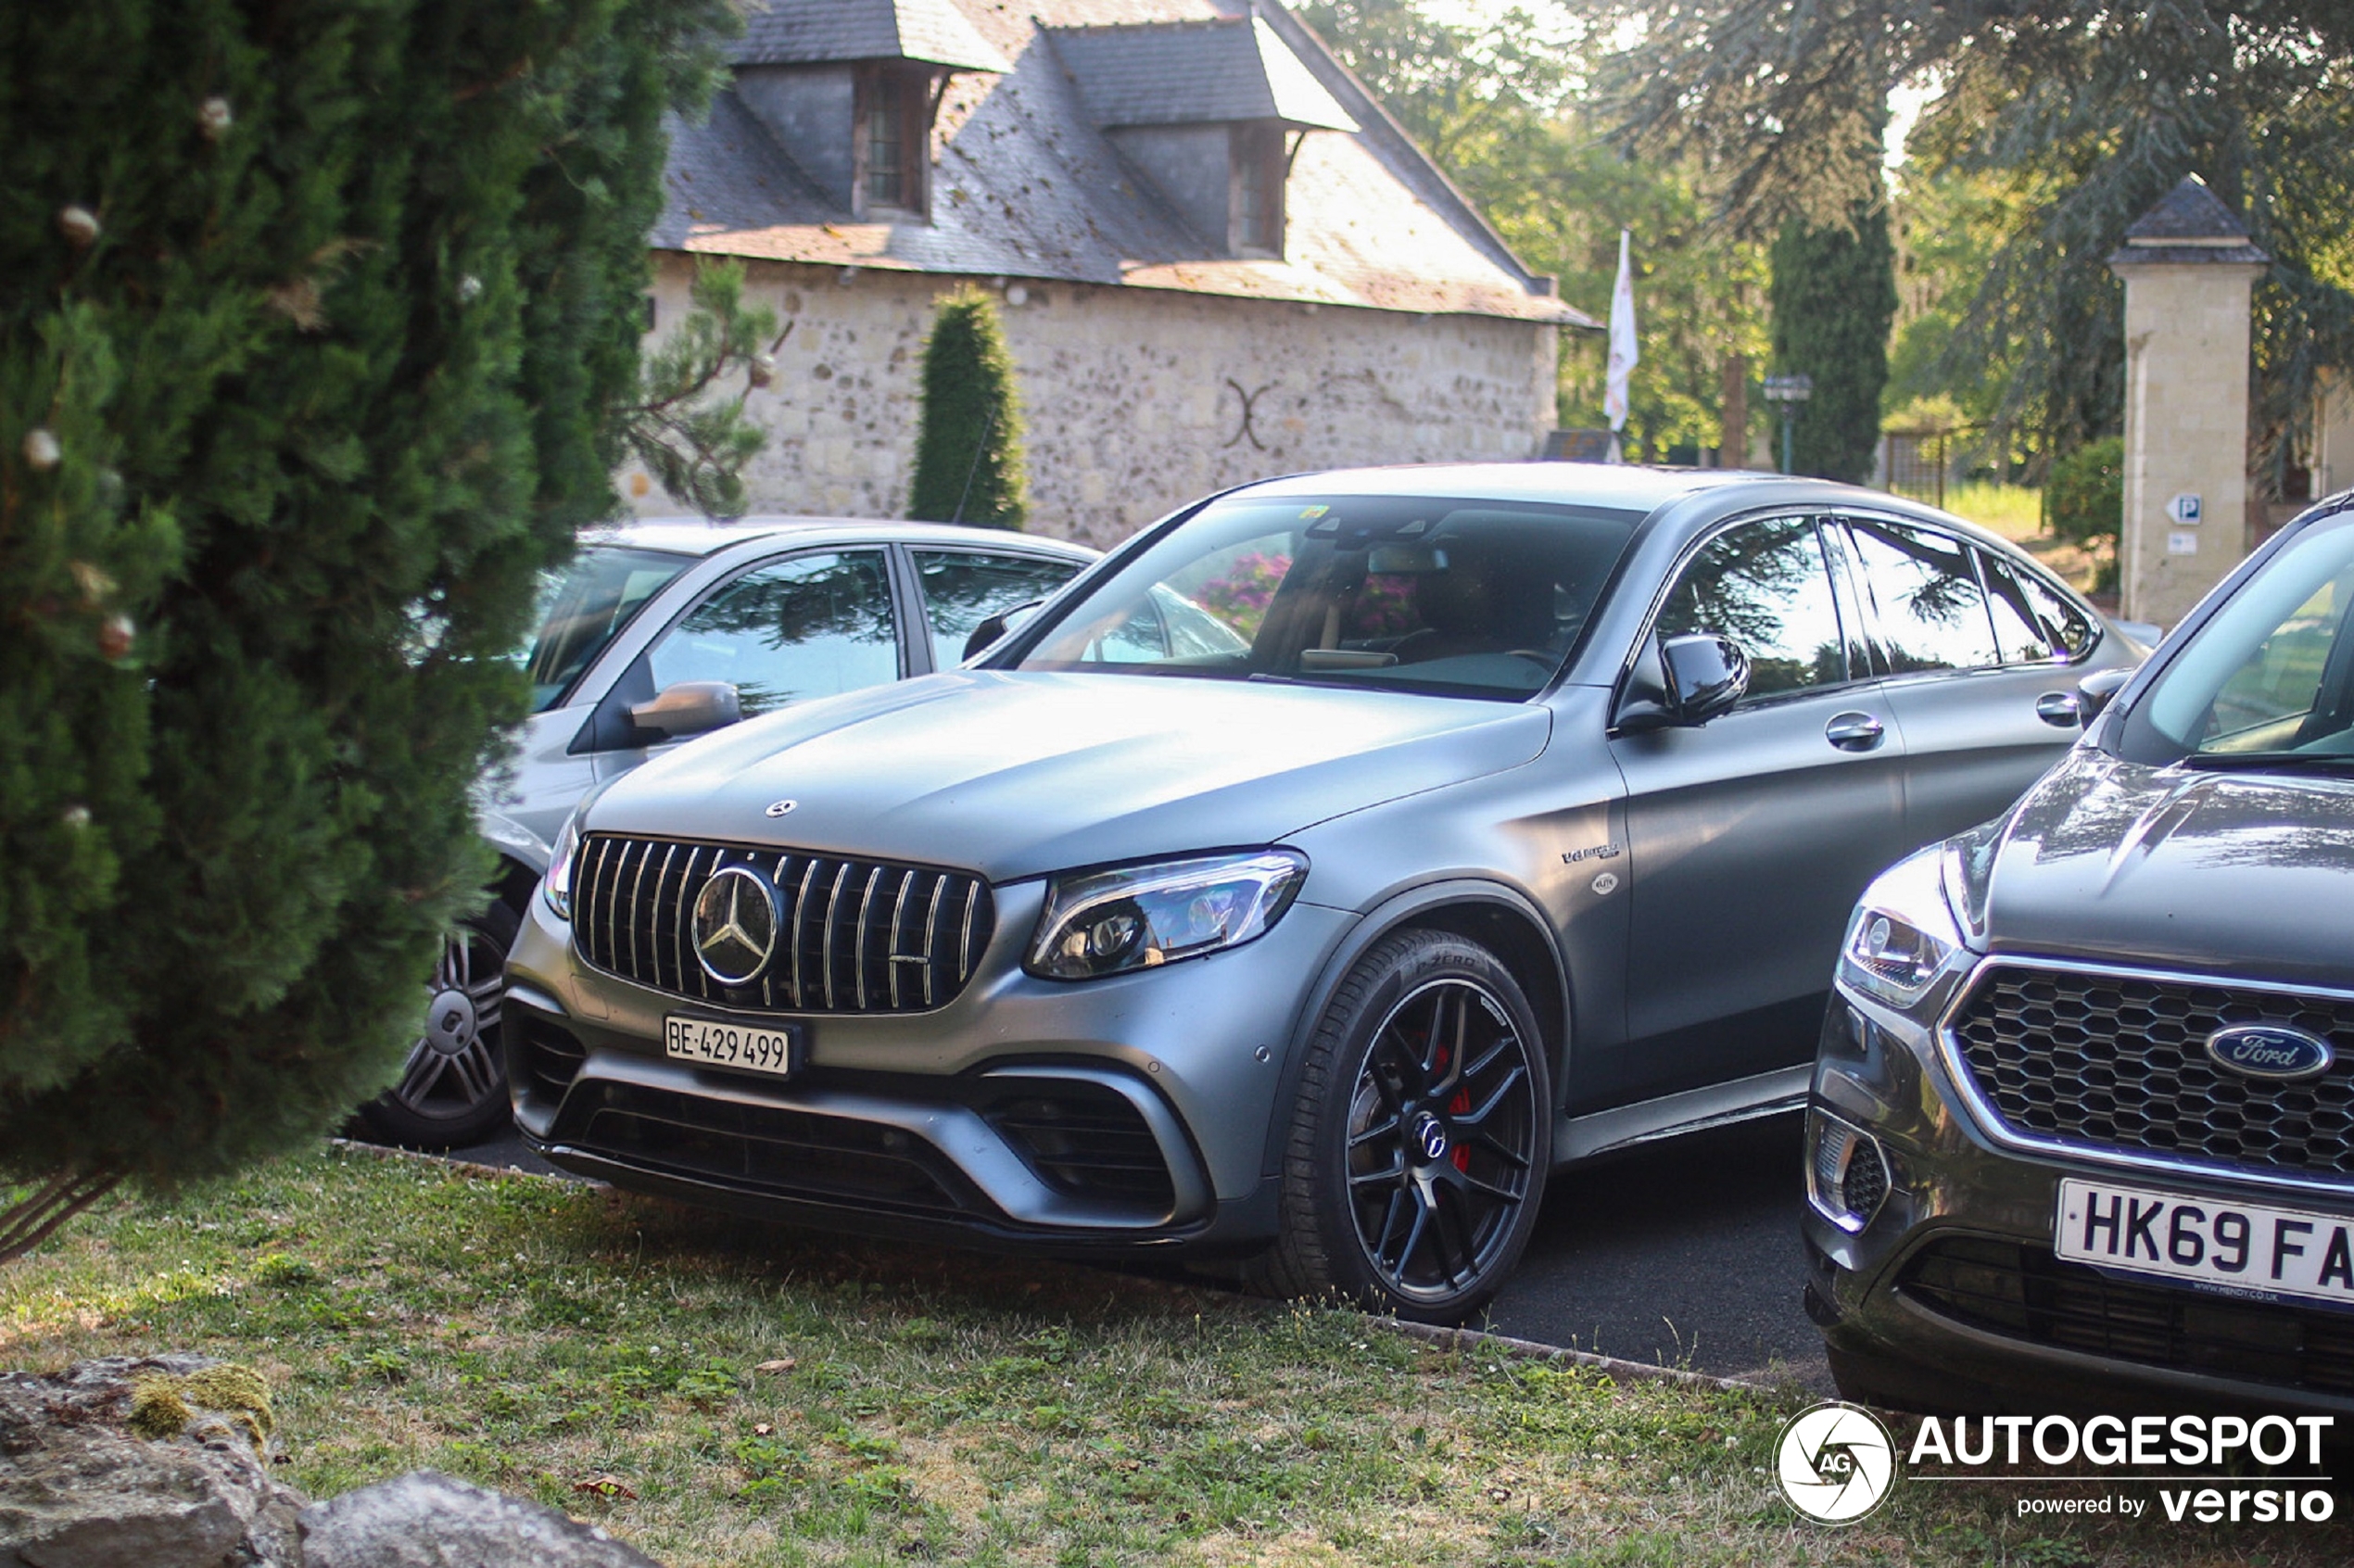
{"x":162,"y":1406}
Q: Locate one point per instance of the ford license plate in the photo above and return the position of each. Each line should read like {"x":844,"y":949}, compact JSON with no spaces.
{"x":2241,"y":1248}
{"x":713,"y":1042}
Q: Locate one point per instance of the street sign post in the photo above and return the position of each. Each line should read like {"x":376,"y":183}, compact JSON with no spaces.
{"x":1788,"y":391}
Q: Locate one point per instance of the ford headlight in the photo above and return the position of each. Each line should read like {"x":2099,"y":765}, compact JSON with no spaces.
{"x":1903,"y":938}
{"x":556,"y":886}
{"x":1137,"y":916}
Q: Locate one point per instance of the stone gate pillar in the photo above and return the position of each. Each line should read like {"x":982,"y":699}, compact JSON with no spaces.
{"x":2187,"y":265}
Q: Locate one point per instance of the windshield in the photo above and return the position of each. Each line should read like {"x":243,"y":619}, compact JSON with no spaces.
{"x":1457,"y":597}
{"x":583,"y":604}
{"x":2270,"y":680}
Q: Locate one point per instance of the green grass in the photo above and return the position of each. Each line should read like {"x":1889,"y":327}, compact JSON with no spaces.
{"x":601,"y":1354}
{"x":2016,"y":512}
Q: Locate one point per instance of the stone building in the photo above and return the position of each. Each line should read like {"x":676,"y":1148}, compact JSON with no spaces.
{"x":1218,"y":257}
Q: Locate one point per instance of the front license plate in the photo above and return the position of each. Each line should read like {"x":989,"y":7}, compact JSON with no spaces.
{"x":711,"y":1043}
{"x":2242,"y":1248}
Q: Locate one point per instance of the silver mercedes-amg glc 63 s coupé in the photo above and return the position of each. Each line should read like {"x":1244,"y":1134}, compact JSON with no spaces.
{"x":1305,"y":882}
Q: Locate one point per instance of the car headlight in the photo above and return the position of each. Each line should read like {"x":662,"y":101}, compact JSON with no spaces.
{"x":556,"y":886}
{"x":1903,"y":937}
{"x":1136,"y":917}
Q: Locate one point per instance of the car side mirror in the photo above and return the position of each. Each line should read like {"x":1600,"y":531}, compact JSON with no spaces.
{"x":1706,"y":675}
{"x":689,"y":707}
{"x":1695,"y":678}
{"x":2094,"y":692}
{"x":996,"y":626}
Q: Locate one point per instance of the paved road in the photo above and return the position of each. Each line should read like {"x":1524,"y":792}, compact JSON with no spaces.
{"x":1685,"y":1254}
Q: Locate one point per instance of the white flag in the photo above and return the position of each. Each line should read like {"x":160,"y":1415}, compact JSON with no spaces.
{"x":1623,"y":354}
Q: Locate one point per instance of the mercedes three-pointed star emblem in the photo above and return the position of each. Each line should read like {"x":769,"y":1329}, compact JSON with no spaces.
{"x":736,"y":920}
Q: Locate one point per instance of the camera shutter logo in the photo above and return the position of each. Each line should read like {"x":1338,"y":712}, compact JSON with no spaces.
{"x":1836,"y":1463}
{"x":735,"y":926}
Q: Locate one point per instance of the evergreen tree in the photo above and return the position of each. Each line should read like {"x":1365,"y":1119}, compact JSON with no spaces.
{"x":1834,"y":295}
{"x":2079,"y":116}
{"x":315,"y":321}
{"x":1500,"y":107}
{"x":695,"y":443}
{"x":969,"y":458}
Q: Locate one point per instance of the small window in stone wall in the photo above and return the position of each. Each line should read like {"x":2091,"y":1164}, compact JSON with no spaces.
{"x":1257,"y":190}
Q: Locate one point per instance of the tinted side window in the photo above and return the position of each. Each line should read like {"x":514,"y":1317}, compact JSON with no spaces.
{"x":963,"y":588}
{"x":1765,"y":585}
{"x":1933,"y":613}
{"x":2065,"y":622}
{"x":809,"y":627}
{"x":2020,"y":633}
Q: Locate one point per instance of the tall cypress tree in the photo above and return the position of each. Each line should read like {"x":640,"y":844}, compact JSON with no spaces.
{"x":968,"y":456}
{"x":1834,"y":298}
{"x":313,"y":322}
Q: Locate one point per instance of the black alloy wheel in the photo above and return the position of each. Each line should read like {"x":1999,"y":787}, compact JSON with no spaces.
{"x":1422,"y":1137}
{"x":452,"y":1090}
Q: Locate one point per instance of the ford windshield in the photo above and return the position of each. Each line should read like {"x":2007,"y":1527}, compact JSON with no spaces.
{"x":2269,"y":680}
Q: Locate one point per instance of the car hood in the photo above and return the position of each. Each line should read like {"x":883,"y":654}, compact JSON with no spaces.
{"x":1015,"y":774}
{"x":2246,"y":873}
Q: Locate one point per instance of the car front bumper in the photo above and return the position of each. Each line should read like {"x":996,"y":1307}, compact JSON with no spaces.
{"x":1948,"y":1296}
{"x":1133,"y":1111}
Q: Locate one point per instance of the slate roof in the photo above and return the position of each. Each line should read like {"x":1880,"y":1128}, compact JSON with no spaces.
{"x":1026,"y":183}
{"x":832,"y":31}
{"x":2190,"y":226}
{"x":1193,"y":73}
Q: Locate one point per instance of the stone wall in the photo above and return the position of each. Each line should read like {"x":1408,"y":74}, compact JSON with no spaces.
{"x":1138,"y":400}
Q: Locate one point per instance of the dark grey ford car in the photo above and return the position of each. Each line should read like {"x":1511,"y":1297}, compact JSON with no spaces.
{"x":1325,"y":867}
{"x":2083,"y":1128}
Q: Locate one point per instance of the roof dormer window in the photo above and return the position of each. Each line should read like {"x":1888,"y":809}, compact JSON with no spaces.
{"x":849,"y":88}
{"x":1209,"y":112}
{"x":894,"y":114}
{"x":1255,"y":152}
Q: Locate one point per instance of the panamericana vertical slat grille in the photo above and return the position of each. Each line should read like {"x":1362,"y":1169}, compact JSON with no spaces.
{"x":855,"y":936}
{"x":2120,"y":1061}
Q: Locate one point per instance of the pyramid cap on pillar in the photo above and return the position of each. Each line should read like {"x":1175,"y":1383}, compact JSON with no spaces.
{"x":2190,"y":227}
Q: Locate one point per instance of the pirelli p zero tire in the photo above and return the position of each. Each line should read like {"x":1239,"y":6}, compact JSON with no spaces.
{"x":1421,"y":1135}
{"x":454,"y":1088}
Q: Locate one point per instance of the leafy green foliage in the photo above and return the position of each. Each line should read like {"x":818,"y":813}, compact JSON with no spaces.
{"x":312,"y":321}
{"x":2084,"y":496}
{"x":695,"y":443}
{"x":1834,"y":295}
{"x":1498,"y":109}
{"x":968,"y":453}
{"x":2074,"y":118}
{"x":1945,"y":226}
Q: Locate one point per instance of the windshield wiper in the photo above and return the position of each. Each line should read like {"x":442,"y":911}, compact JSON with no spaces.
{"x":2225,"y":760}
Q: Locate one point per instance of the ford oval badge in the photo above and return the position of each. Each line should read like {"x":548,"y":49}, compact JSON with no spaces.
{"x":2269,"y":1051}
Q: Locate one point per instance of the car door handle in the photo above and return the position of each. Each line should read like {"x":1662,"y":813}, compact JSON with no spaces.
{"x":1853,"y":731}
{"x":2061,"y":709}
